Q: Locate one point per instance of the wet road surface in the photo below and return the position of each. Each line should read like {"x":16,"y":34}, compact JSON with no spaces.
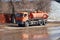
{"x":54,"y":32}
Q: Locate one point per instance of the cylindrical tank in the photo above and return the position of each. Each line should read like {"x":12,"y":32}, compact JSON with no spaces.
{"x":38,"y":15}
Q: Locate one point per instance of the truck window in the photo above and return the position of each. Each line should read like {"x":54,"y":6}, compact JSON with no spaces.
{"x":21,"y":15}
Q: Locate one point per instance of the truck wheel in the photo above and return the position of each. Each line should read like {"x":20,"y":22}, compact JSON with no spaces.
{"x":39,"y":22}
{"x":20,"y":25}
{"x":43,"y":22}
{"x":26,"y":24}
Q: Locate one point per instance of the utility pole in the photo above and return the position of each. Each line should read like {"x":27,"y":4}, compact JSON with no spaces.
{"x":13,"y":12}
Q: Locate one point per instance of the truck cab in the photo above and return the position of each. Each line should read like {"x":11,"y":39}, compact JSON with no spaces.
{"x":21,"y":18}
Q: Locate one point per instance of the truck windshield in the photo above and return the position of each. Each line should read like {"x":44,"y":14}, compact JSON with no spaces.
{"x":19,"y":15}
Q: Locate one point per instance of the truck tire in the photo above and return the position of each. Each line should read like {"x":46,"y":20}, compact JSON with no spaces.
{"x":39,"y":22}
{"x":20,"y":25}
{"x":26,"y":24}
{"x":43,"y":22}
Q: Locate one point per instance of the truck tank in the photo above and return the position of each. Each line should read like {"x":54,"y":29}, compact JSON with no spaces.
{"x":38,"y":15}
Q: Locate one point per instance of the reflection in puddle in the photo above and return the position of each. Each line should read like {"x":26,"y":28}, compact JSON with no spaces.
{"x":54,"y":32}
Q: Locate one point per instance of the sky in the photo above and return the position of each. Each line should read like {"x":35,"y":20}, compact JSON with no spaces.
{"x":58,"y":1}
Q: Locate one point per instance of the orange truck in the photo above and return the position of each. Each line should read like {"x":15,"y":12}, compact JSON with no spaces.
{"x":32,"y":18}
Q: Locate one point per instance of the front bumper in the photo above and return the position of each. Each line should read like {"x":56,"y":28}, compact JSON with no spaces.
{"x":19,"y":22}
